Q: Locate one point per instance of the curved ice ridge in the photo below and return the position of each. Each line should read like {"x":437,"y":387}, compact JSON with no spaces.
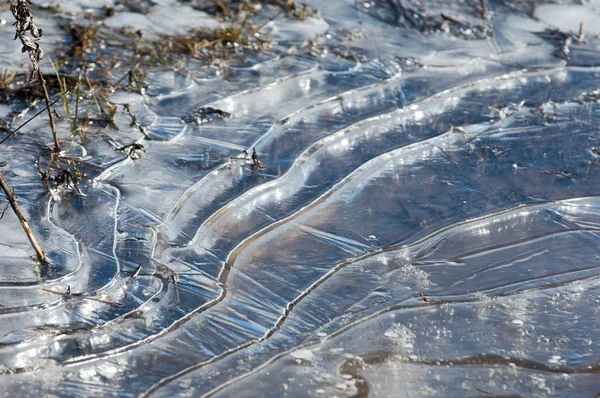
{"x":465,"y":171}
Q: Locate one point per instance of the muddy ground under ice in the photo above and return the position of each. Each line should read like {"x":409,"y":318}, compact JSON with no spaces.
{"x":425,"y":220}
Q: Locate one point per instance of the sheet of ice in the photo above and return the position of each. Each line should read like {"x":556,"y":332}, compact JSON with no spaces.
{"x":426,"y":217}
{"x":160,"y":21}
{"x":568,"y":17}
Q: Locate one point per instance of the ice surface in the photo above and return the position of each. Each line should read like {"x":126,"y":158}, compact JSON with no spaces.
{"x":426,"y":221}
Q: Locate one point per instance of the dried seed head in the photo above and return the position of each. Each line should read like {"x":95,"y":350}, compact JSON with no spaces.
{"x":27,"y":32}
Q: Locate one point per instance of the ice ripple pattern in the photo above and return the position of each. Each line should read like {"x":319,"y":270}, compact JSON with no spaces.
{"x":463,"y":170}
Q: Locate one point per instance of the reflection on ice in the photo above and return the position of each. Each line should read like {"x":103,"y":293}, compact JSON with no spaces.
{"x":425,"y":217}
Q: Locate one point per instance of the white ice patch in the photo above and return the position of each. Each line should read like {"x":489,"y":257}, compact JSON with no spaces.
{"x":302,"y":354}
{"x":402,"y":335}
{"x":568,"y":17}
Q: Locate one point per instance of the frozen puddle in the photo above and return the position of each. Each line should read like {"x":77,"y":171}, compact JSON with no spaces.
{"x":425,"y":219}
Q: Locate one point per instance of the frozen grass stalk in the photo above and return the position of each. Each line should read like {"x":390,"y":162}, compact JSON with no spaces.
{"x":15,"y":206}
{"x":29,"y":35}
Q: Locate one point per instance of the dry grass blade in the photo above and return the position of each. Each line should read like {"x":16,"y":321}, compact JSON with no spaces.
{"x":6,"y":78}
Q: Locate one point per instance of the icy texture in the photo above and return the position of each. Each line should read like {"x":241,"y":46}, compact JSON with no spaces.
{"x":427,"y":219}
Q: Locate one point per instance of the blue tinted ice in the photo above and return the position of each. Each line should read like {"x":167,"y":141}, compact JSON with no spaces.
{"x":426,"y":220}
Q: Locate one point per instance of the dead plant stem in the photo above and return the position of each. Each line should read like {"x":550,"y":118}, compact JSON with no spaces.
{"x":15,"y":206}
{"x":50,"y":114}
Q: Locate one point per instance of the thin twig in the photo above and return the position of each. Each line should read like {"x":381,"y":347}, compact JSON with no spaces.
{"x":81,"y":296}
{"x":4,"y":211}
{"x":581,"y":34}
{"x":450,"y":19}
{"x":13,"y":202}
{"x":136,"y":272}
{"x":50,"y":114}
